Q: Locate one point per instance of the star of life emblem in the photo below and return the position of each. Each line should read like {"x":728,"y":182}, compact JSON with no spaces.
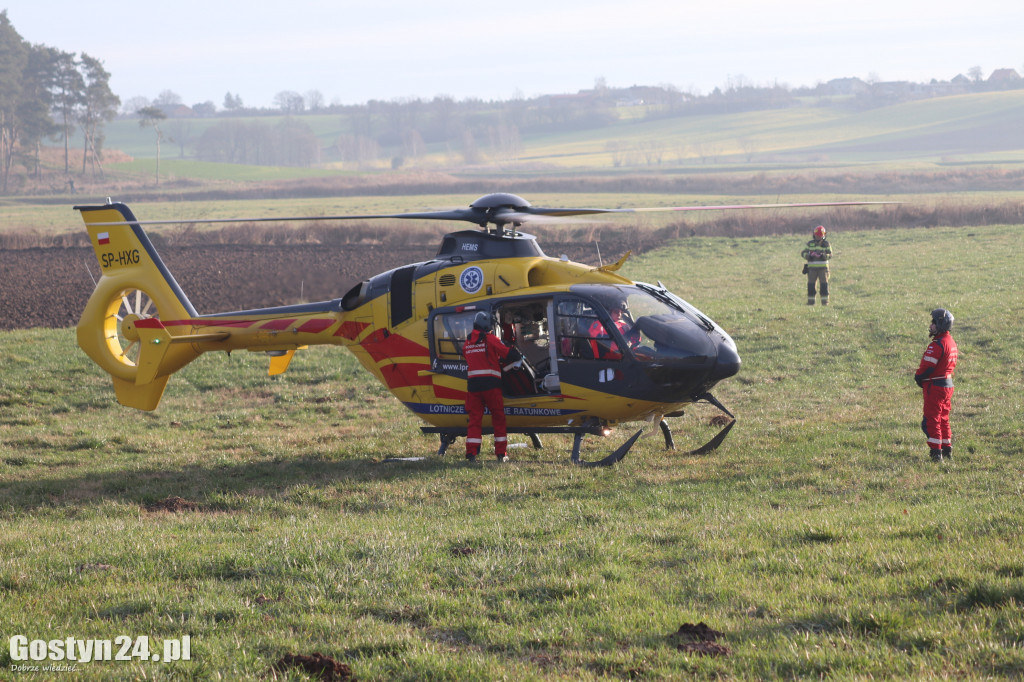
{"x":471,"y":280}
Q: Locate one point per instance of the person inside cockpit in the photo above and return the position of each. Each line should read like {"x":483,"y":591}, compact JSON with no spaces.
{"x":601,"y":341}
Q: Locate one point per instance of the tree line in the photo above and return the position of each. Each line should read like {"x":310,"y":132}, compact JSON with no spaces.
{"x":46,"y":94}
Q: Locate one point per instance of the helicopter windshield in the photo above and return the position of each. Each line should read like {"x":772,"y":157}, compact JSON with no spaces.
{"x":638,"y":322}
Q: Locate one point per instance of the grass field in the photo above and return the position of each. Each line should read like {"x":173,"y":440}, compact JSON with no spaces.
{"x":819,"y":540}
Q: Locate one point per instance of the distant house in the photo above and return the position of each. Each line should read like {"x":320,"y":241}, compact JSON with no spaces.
{"x":1005,"y":78}
{"x":178,"y":111}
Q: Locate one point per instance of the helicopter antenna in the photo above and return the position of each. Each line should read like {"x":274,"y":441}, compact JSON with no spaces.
{"x":86,"y":266}
{"x":600,"y":261}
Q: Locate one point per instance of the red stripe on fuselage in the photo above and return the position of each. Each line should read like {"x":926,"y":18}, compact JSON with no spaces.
{"x":382,"y":345}
{"x":316,"y":326}
{"x":445,"y":393}
{"x":277,"y":324}
{"x":351,"y":330}
{"x":404,"y":375}
{"x":210,"y":323}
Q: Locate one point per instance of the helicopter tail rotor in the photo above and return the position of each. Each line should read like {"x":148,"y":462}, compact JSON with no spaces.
{"x":122,"y":327}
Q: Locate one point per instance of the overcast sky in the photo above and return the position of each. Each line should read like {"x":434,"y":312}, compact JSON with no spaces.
{"x":352,"y":51}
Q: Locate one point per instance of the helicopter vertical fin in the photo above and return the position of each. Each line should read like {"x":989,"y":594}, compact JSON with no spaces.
{"x":279,"y":362}
{"x":124,"y":327}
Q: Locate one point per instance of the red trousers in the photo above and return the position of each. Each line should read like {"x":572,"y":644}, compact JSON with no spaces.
{"x":937,"y":401}
{"x":475,"y":403}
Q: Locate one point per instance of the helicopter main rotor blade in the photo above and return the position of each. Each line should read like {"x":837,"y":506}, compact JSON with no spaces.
{"x":483,"y":213}
{"x":458,"y":214}
{"x":733,"y":207}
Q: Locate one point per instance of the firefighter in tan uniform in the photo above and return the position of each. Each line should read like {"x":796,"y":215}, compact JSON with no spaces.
{"x":817,"y":253}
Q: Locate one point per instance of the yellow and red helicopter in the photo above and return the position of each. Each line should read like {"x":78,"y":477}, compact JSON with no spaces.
{"x":406,"y":326}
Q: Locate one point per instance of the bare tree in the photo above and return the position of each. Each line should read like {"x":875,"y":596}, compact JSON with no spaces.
{"x":412,"y":143}
{"x":749,"y":147}
{"x":168,"y":99}
{"x":150,"y":117}
{"x":314,"y":100}
{"x":289,"y":102}
{"x":99,"y":105}
{"x":132,"y":105}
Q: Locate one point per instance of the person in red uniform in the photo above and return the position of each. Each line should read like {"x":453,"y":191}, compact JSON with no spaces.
{"x":935,"y":377}
{"x":601,"y":342}
{"x":484,"y":355}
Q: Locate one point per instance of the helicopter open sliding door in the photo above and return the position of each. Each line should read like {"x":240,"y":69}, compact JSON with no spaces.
{"x":522,"y":323}
{"x":525,"y":325}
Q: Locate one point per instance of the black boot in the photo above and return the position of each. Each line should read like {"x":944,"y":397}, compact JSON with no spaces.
{"x":947,"y":452}
{"x":936,"y":455}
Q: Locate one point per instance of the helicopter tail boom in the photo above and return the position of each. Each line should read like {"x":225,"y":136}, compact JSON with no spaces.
{"x":122,"y":327}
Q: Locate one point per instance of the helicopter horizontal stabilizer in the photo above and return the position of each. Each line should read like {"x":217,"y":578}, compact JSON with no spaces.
{"x":612,"y":267}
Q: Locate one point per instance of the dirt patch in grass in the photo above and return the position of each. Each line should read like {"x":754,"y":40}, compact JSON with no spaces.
{"x":173,"y":505}
{"x":316,"y":664}
{"x":699,"y":639}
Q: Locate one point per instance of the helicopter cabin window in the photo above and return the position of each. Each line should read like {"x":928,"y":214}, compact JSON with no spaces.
{"x":581,"y":334}
{"x":450,"y":333}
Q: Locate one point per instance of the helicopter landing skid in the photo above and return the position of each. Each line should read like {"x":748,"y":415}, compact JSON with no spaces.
{"x":607,"y":461}
{"x":449,"y":435}
{"x":717,"y":440}
{"x":714,"y":442}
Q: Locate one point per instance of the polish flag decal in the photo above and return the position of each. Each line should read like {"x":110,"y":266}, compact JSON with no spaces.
{"x":103,"y":237}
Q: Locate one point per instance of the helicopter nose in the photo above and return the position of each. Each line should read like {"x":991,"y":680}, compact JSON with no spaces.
{"x":727,"y":363}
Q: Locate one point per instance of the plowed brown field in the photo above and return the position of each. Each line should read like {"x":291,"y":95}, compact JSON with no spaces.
{"x":48,"y":287}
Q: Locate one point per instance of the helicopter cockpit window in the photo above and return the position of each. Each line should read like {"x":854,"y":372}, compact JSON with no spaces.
{"x":450,"y":333}
{"x":649,"y":327}
{"x":576,"y":319}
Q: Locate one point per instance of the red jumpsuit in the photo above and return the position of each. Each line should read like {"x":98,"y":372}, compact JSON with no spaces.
{"x":606,"y":348}
{"x":484,"y":353}
{"x":935,"y":376}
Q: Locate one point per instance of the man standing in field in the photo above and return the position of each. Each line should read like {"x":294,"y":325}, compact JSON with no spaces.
{"x":935,"y":377}
{"x":817,"y":254}
{"x":484,"y":354}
